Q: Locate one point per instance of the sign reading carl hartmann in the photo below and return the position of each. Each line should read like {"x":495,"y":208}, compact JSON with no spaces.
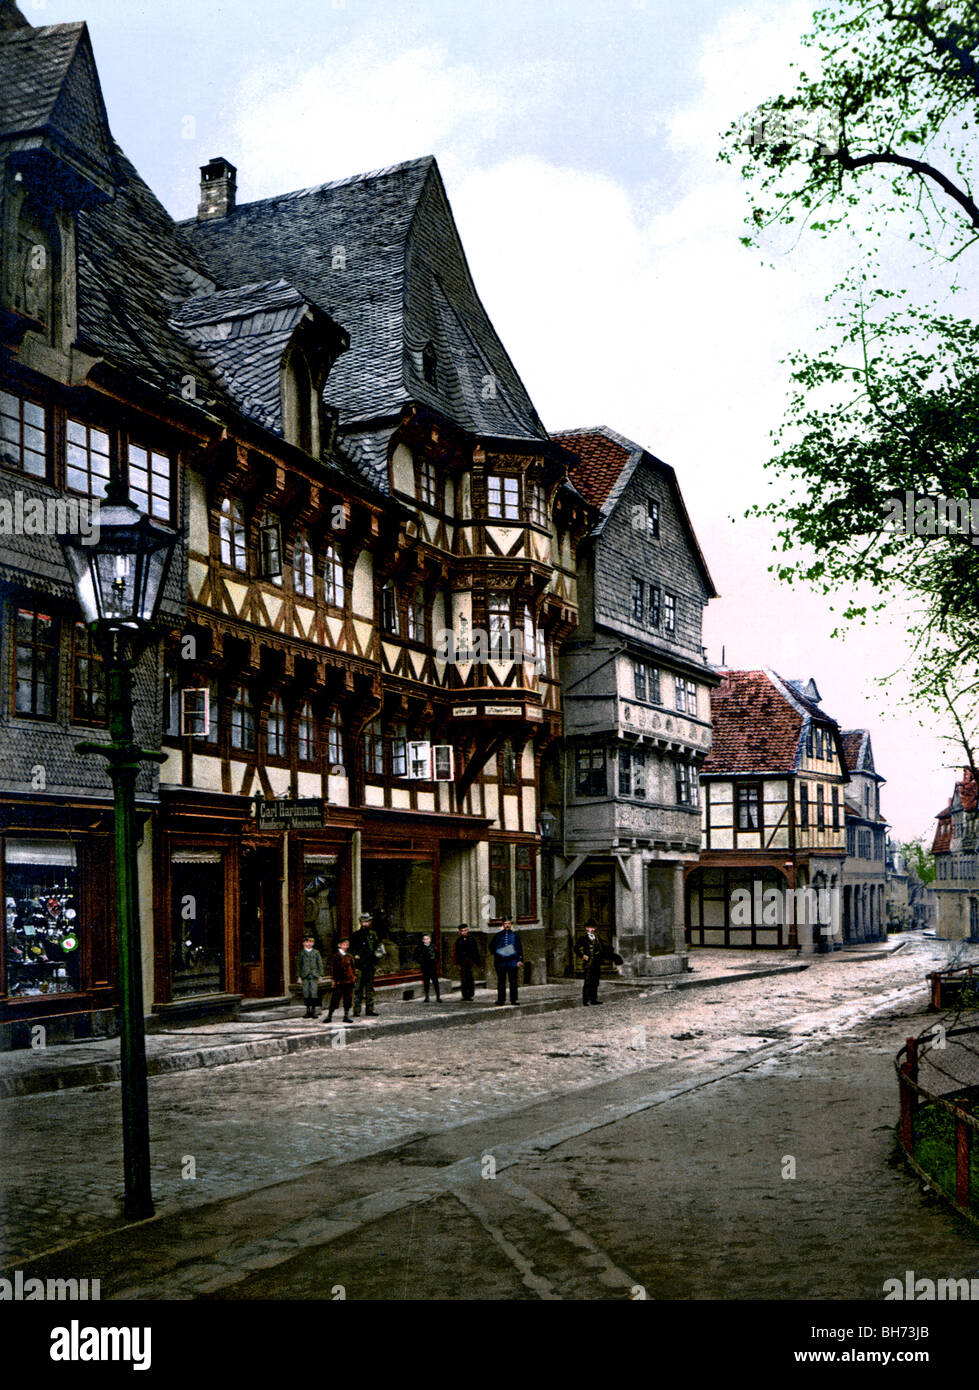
{"x":305,"y":812}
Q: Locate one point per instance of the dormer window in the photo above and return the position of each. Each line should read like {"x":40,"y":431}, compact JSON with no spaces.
{"x":430,"y":365}
{"x":300,"y":404}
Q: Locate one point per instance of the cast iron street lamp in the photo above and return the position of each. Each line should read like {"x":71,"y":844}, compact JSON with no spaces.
{"x":119,"y":582}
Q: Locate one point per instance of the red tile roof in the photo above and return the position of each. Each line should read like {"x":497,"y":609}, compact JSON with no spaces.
{"x":756,"y":728}
{"x":601,"y":462}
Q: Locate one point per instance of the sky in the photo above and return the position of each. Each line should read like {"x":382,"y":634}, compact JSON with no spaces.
{"x":578,"y":144}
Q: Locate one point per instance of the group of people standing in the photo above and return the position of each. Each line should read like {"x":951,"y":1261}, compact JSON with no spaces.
{"x":354,"y":963}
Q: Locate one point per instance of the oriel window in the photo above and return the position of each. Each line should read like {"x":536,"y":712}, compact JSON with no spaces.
{"x":427,"y":482}
{"x":639,"y":675}
{"x":503,"y":496}
{"x":35,"y":663}
{"x":590,"y":775}
{"x":537,"y":504}
{"x":508,"y":765}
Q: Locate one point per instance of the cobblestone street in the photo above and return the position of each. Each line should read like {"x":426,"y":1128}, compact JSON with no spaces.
{"x":696,"y":1166}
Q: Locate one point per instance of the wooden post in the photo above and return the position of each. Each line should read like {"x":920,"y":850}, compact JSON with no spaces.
{"x":936,"y":989}
{"x":909,"y":1071}
{"x":963,"y":1136}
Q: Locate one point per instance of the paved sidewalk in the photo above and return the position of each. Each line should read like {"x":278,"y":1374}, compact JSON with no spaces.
{"x":282,"y":1030}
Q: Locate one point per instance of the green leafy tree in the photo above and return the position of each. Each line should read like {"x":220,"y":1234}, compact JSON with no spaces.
{"x":919,"y":860}
{"x":880,"y":445}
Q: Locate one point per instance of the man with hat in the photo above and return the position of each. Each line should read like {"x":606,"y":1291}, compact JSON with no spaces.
{"x":365,"y":947}
{"x":466,"y":958}
{"x":309,"y":968}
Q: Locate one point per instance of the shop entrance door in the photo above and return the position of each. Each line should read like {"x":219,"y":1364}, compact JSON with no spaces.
{"x":261,"y":924}
{"x":594,"y":901}
{"x":197,"y":931}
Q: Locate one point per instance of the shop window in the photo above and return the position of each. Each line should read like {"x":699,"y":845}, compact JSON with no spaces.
{"x":23,"y":435}
{"x":426,"y":482}
{"x":389,"y":609}
{"x":43,"y":930}
{"x":197,"y":932}
{"x":525,"y":880}
{"x":669,"y":613}
{"x":306,"y":734}
{"x":231,"y":529}
{"x":374,"y":749}
{"x":399,"y":750}
{"x":400,"y":896}
{"x":88,"y":679}
{"x":508,"y":765}
{"x":333,"y":576}
{"x":35,"y":663}
{"x":243,"y":720}
{"x":590,"y":776}
{"x":86,"y":459}
{"x":275,"y":729}
{"x":334,"y":741}
{"x":150,"y":484}
{"x":321,"y":900}
{"x":303,"y":569}
{"x":503,"y":497}
{"x":416,"y":614}
{"x":748,"y":799}
{"x":499,"y":882}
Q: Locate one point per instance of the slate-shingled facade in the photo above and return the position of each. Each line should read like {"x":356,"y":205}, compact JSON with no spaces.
{"x":309,"y":390}
{"x":772,"y":818}
{"x":623,"y":784}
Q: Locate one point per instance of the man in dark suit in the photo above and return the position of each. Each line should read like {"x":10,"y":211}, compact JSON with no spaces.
{"x":507,"y":951}
{"x":592,"y":954}
{"x":467,"y":959}
{"x":364,"y":946}
{"x":344,"y":973}
{"x":427,"y":958}
{"x":309,"y":968}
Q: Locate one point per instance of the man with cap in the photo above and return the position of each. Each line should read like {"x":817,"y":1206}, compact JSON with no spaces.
{"x":365,"y":944}
{"x":467,"y":959}
{"x":343,"y":972}
{"x":507,"y":951}
{"x":309,"y":968}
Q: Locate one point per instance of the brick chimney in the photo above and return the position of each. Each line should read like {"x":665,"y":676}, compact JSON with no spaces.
{"x":219,"y":181}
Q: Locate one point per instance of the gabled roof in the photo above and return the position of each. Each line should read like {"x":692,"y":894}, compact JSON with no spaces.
{"x":243,"y":335}
{"x":759,"y":725}
{"x":51,"y":101}
{"x":380,"y":252}
{"x":859,"y":753}
{"x":606,"y":464}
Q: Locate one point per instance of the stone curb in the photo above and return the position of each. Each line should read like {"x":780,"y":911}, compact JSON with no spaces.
{"x":709,"y":981}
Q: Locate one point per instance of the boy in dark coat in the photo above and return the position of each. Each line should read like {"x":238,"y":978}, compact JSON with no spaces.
{"x":428,"y":963}
{"x":344,"y":974}
{"x":309,"y":968}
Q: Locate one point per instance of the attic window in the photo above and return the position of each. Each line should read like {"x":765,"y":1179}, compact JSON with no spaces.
{"x":430,"y":365}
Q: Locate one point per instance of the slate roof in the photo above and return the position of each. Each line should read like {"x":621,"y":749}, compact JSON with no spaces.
{"x":759,"y":724}
{"x":50,"y":97}
{"x":605,"y":466}
{"x":381,"y":254}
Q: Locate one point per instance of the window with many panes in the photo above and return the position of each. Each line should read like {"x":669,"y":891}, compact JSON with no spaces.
{"x":23,"y":435}
{"x":637,"y":599}
{"x":632,"y":772}
{"x":35,"y":663}
{"x":374,"y":749}
{"x":503,"y":497}
{"x":686,"y":784}
{"x":86,"y":459}
{"x":590,"y":778}
{"x":669,"y":613}
{"x":524,"y":880}
{"x":652,"y":518}
{"x":270,"y":548}
{"x":243,"y":720}
{"x":303,"y":565}
{"x":88,"y":679}
{"x":333,"y":576}
{"x":748,"y":804}
{"x":275,"y":729}
{"x":334,"y":740}
{"x":537,"y":504}
{"x":655,"y":605}
{"x":508,"y":765}
{"x":399,"y":750}
{"x":500,"y":880}
{"x":426,"y":480}
{"x":416,"y":614}
{"x":231,"y":534}
{"x":150,"y":481}
{"x":498,"y":614}
{"x":639,"y":677}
